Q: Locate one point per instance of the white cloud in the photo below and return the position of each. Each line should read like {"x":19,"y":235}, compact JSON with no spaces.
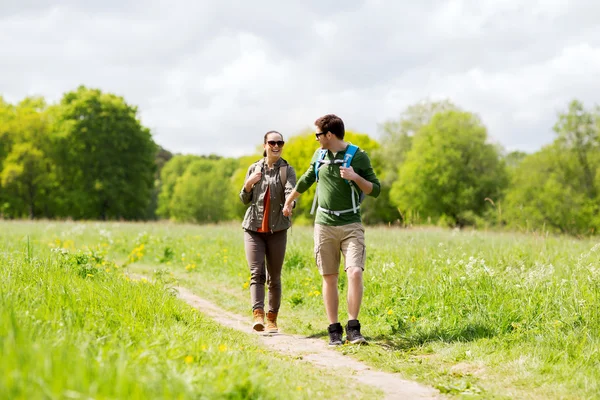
{"x":212,"y":77}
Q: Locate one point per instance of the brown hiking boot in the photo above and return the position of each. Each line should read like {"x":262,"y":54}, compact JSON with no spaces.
{"x":259,"y":320}
{"x":272,"y":322}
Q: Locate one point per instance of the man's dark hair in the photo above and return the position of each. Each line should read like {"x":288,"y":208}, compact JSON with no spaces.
{"x":331,"y":123}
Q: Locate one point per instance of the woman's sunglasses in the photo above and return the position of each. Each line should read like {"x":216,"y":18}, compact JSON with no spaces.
{"x":279,"y":143}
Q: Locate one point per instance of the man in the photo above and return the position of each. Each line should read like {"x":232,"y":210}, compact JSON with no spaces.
{"x":338,"y":226}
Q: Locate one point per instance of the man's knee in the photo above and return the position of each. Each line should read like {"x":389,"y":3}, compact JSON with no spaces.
{"x":330,"y":278}
{"x":354,"y":273}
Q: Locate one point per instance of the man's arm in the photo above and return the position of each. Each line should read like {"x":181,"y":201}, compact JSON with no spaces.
{"x":362,"y":183}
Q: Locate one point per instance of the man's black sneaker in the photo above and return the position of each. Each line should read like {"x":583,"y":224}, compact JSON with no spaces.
{"x":335,"y":334}
{"x":353,"y":332}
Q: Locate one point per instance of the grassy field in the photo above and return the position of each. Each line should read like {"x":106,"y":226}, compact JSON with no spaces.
{"x":474,"y":314}
{"x":74,"y":326}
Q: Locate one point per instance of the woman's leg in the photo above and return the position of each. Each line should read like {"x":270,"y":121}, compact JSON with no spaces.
{"x":254,"y":244}
{"x":275,"y":253}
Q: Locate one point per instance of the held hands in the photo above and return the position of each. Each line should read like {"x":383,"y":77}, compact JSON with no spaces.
{"x":287,"y":210}
{"x":348,"y":173}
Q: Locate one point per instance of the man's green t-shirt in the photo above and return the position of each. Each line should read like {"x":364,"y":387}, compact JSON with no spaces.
{"x":334,"y":192}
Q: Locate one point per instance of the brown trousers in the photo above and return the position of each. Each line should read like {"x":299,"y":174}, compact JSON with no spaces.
{"x":269,"y":247}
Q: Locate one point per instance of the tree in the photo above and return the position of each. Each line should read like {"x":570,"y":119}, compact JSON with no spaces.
{"x":200,"y":193}
{"x":26,"y":171}
{"x":396,"y":141}
{"x":397,"y":135}
{"x":162,"y":158}
{"x":169,"y":175}
{"x":449,"y":171}
{"x":108,"y":156}
{"x":556,"y":189}
{"x":236,"y":208}
{"x":542,"y":195}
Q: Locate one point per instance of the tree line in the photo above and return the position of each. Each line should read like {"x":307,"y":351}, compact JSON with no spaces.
{"x":89,"y":157}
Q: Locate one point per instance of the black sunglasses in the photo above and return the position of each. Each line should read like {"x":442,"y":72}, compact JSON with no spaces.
{"x":279,"y":143}
{"x":319,"y":134}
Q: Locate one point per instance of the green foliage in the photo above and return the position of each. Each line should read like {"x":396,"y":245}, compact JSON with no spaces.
{"x":26,"y":170}
{"x":108,"y":157}
{"x":236,"y":207}
{"x":449,"y":171}
{"x":25,"y":174}
{"x":169,"y":175}
{"x":199,"y":194}
{"x":397,"y":135}
{"x":556,"y":189}
{"x":396,"y":141}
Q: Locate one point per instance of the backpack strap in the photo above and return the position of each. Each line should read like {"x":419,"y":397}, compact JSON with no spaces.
{"x":320,"y":157}
{"x":349,"y":156}
{"x":318,"y":162}
{"x":283,"y":175}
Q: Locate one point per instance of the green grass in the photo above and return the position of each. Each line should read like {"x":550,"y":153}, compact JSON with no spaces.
{"x":72,"y":325}
{"x":474,"y":314}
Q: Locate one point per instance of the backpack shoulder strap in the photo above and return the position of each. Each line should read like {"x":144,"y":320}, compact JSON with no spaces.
{"x":257,"y":165}
{"x":350,"y":152}
{"x":283,"y":174}
{"x":320,"y":157}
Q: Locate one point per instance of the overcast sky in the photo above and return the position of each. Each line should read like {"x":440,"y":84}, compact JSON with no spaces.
{"x":214,"y":76}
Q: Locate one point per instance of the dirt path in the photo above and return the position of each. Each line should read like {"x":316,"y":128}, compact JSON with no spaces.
{"x":316,"y":352}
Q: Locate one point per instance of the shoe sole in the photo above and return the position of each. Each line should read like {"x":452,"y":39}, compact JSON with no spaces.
{"x":258,"y":327}
{"x":335,"y":344}
{"x":358,"y":341}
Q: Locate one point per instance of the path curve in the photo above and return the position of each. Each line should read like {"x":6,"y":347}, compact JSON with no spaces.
{"x":315,"y":351}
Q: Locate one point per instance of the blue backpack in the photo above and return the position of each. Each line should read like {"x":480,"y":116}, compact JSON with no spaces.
{"x":356,"y":192}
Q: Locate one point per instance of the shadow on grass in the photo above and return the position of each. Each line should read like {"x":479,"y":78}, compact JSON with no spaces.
{"x":318,"y":335}
{"x":418,"y":338}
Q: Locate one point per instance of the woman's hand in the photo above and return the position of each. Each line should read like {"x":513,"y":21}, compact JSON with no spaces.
{"x":252,"y":179}
{"x":287,"y":210}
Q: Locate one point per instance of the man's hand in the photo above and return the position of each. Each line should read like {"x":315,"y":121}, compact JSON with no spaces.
{"x":289,"y":203}
{"x":348,"y":173}
{"x":287,"y":209}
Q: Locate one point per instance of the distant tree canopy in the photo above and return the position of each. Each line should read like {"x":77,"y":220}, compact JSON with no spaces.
{"x":197,"y":189}
{"x":450,"y":171}
{"x":90,"y":157}
{"x":87,"y":157}
{"x":557,"y":188}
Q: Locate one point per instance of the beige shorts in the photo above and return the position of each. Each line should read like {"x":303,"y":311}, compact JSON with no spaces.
{"x":330,"y":241}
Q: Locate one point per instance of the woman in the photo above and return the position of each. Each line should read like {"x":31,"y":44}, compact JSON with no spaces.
{"x":268,"y":182}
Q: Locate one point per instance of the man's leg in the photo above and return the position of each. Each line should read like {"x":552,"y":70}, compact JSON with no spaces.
{"x":331,"y":297}
{"x":355,"y":291}
{"x":327,"y":256}
{"x":353,"y":249}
